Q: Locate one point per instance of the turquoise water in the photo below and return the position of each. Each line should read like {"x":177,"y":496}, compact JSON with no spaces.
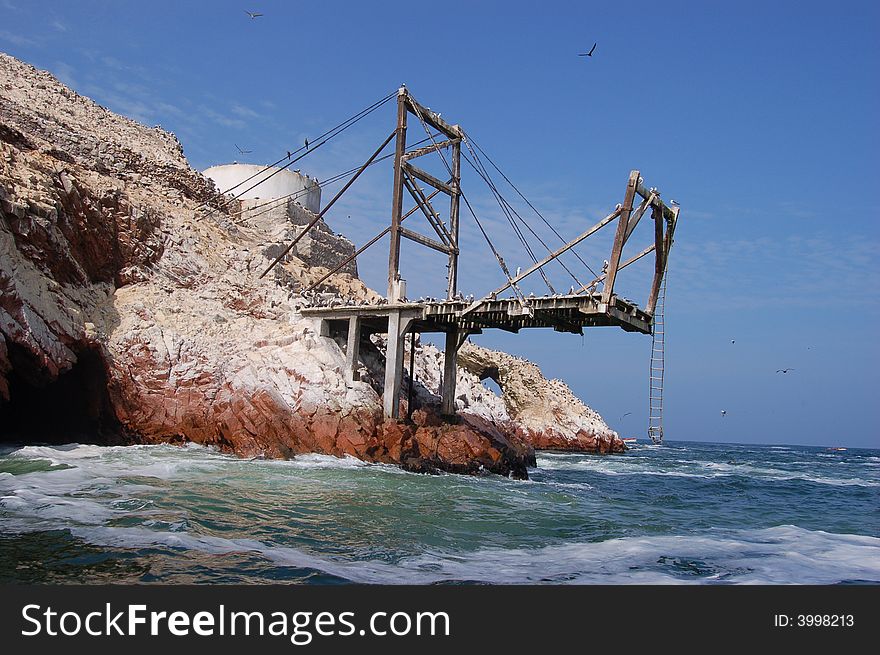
{"x":678,"y":513}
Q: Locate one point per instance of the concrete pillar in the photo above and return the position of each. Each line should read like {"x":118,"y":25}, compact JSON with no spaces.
{"x":450,"y":370}
{"x":393,"y":366}
{"x":352,"y":349}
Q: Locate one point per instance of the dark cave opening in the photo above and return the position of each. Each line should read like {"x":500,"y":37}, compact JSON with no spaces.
{"x":73,"y":407}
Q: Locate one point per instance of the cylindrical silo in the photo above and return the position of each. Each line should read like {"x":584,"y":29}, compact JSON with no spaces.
{"x":271,"y":182}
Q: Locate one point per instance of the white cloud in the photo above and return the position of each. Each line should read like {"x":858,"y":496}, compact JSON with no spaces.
{"x":16,"y":39}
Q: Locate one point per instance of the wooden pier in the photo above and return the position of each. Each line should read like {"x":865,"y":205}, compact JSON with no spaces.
{"x":588,"y":305}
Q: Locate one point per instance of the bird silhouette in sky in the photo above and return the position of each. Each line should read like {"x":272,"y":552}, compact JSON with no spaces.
{"x":625,"y":415}
{"x":307,"y":144}
{"x":733,"y":341}
{"x":244,"y":152}
{"x":723,"y":413}
{"x":784,"y":370}
{"x":588,"y":54}
{"x":252,"y":14}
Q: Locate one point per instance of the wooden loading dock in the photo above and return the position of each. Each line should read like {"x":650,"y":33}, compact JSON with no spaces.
{"x":591,"y":305}
{"x":562,"y":313}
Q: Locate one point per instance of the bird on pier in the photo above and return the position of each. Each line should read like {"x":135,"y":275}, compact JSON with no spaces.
{"x":605,"y":265}
{"x":518,"y":270}
{"x":673,"y":202}
{"x":289,"y":155}
{"x":590,"y":53}
{"x":252,"y":14}
{"x":784,"y":370}
{"x":307,"y":144}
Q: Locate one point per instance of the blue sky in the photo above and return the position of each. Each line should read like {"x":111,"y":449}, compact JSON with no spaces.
{"x":760,"y":118}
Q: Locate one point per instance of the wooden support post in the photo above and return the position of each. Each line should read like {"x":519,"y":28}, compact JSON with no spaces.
{"x":393,"y":367}
{"x":398,"y":326}
{"x":453,"y":220}
{"x":412,"y":375}
{"x":450,"y":371}
{"x":352,"y":349}
{"x":397,"y":198}
{"x":620,"y":236}
{"x":662,"y":244}
{"x":659,"y":259}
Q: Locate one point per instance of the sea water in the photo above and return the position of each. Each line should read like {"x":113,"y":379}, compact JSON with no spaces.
{"x":677,"y":513}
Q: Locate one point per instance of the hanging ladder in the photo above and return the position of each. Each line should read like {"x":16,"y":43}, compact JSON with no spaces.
{"x":658,"y":341}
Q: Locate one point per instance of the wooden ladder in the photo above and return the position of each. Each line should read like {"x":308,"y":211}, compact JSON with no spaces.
{"x":658,"y":343}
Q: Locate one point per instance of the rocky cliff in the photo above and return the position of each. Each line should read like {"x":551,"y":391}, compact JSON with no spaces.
{"x":129,"y":313}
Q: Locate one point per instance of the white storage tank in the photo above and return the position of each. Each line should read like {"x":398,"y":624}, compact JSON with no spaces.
{"x":275,"y":183}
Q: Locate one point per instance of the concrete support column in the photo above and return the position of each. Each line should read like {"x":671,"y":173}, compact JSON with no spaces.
{"x":450,"y":370}
{"x":352,"y":349}
{"x":394,"y":364}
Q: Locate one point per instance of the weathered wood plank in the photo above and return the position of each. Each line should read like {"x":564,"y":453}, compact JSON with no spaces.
{"x":427,"y":178}
{"x":620,"y":237}
{"x":425,"y":241}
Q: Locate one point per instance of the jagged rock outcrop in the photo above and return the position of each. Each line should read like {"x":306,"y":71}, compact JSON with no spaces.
{"x":545,"y":412}
{"x":131,"y":308}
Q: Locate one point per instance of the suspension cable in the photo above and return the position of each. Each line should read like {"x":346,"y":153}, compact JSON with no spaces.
{"x":526,"y":200}
{"x":327,"y":136}
{"x":495,"y":252}
{"x":338,"y":129}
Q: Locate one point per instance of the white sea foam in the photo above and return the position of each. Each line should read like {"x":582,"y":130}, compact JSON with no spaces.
{"x":705,"y":470}
{"x":780,"y":555}
{"x":102,"y":485}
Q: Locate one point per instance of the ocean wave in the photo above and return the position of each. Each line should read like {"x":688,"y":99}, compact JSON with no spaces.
{"x":779,"y":555}
{"x":695,"y":469}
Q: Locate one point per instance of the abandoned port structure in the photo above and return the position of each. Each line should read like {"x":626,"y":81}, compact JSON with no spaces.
{"x":589,"y":304}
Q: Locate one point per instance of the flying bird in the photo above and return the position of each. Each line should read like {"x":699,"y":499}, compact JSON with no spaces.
{"x":625,"y":415}
{"x":784,"y":370}
{"x":244,"y":152}
{"x":588,"y":54}
{"x":733,"y":341}
{"x":252,"y":14}
{"x":723,"y":413}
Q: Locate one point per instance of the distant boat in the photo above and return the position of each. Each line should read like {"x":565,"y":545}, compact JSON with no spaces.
{"x":833,"y":450}
{"x":630,"y":441}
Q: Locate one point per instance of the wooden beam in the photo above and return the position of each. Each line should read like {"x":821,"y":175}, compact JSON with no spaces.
{"x":629,"y":261}
{"x":659,"y":260}
{"x":644,"y":192}
{"x":450,"y":373}
{"x":338,"y":195}
{"x":427,"y":150}
{"x":571,"y":244}
{"x":364,"y":247}
{"x":432,"y":119}
{"x":637,"y":216}
{"x":397,"y":196}
{"x":427,"y":209}
{"x":425,"y":241}
{"x":620,"y":236}
{"x":559,"y":322}
{"x":427,"y":178}
{"x":452,"y":286}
